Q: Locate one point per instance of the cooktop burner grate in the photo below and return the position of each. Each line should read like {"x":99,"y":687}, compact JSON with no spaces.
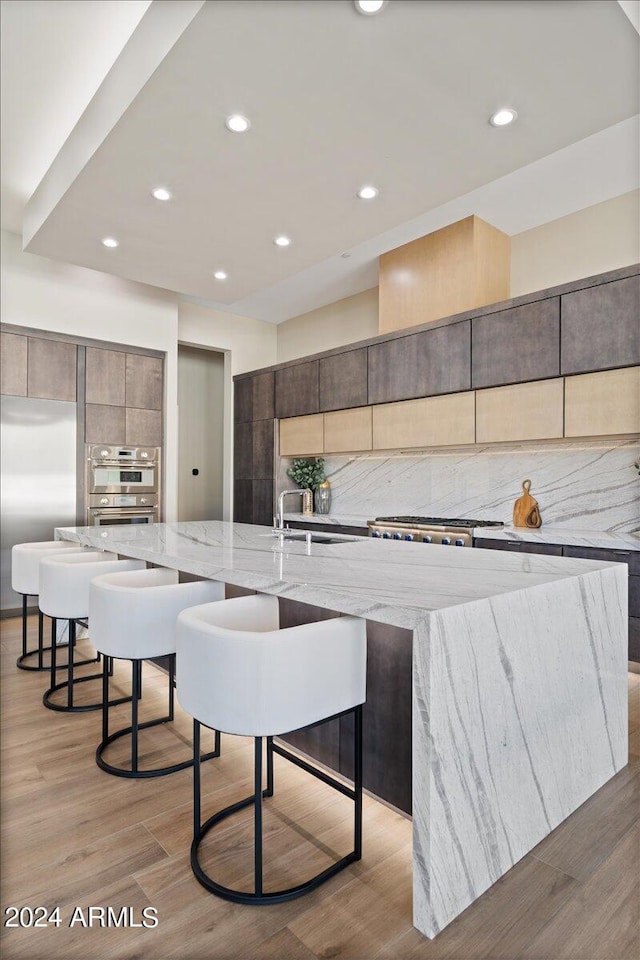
{"x":440,"y":521}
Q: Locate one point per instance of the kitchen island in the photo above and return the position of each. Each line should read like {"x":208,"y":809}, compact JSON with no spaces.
{"x":519,"y":687}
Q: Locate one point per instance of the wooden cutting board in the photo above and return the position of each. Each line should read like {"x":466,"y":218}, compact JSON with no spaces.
{"x":526,"y":512}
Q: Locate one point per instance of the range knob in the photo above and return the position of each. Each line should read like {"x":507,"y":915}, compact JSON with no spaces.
{"x":426,"y":539}
{"x":397,"y":536}
{"x":408,"y":536}
{"x":143,"y":500}
{"x":104,"y":500}
{"x":385,"y":536}
{"x":446,"y":541}
{"x":459,"y":543}
{"x":375,"y":533}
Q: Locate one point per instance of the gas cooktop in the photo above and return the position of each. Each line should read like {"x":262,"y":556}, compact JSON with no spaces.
{"x":440,"y":521}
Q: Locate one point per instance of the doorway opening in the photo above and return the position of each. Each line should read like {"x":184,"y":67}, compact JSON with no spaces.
{"x":200,"y":433}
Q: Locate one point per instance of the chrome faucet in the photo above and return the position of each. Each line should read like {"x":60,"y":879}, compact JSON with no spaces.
{"x":280,"y":513}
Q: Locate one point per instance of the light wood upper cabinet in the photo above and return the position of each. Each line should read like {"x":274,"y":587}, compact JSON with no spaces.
{"x":432,"y":422}
{"x":524,"y":411}
{"x":457,"y":268}
{"x":347,"y":431}
{"x":601,"y":404}
{"x":13,"y":361}
{"x":302,"y":436}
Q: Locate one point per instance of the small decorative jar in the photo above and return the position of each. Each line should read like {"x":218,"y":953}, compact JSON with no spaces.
{"x":323,"y":497}
{"x":307,"y":502}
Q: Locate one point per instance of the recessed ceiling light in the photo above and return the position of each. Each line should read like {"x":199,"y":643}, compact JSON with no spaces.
{"x":220,"y":275}
{"x":503,"y":117}
{"x":109,"y":242}
{"x":282,"y":241}
{"x":237,"y":123}
{"x":369,"y":7}
{"x":368,"y":193}
{"x":161,"y":193}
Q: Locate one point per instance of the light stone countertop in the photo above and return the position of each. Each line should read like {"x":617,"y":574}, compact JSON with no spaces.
{"x":388,"y":581}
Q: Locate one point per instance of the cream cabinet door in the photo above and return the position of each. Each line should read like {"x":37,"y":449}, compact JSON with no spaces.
{"x":601,"y":404}
{"x":432,"y":422}
{"x":347,"y":431}
{"x":302,"y":436}
{"x":523,"y":411}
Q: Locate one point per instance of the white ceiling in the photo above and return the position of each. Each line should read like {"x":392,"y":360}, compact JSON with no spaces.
{"x":336,"y":100}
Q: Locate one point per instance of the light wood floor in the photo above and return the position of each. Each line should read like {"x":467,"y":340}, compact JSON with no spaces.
{"x":75,"y":836}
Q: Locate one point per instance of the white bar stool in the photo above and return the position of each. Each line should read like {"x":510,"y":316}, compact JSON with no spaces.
{"x":25,"y":561}
{"x":237,"y":672}
{"x":133,"y":617}
{"x":64,"y":595}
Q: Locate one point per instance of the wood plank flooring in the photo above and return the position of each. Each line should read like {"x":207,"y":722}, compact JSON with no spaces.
{"x":73,"y":836}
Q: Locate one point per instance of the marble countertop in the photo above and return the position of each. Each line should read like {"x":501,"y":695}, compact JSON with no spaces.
{"x":389,"y":581}
{"x":575,"y":538}
{"x":546,"y":534}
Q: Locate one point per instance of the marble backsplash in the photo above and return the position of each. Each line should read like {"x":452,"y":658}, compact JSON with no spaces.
{"x":591,"y":485}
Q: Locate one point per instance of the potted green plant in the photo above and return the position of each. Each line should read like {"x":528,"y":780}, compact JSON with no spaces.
{"x":308,"y":473}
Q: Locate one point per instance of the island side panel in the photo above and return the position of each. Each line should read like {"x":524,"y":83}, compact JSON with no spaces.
{"x":520,"y":715}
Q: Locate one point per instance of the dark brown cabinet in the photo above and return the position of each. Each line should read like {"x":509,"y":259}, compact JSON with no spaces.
{"x":387,"y":742}
{"x":51,"y":369}
{"x":262,"y":451}
{"x":297,"y":390}
{"x":343,"y":380}
{"x":516,"y":345}
{"x":243,"y":501}
{"x":243,"y":400}
{"x":263,"y":396}
{"x":262,"y":502}
{"x":421,"y":365}
{"x":243,"y":452}
{"x":601,"y":327}
{"x":13,"y":365}
{"x":105,"y":376}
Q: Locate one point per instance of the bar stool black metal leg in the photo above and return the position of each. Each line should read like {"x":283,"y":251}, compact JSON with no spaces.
{"x":72,"y":653}
{"x":135,"y":696}
{"x":269,"y":791}
{"x":105,"y":698}
{"x":172,"y":683}
{"x":54,"y":651}
{"x":24,"y":624}
{"x":257,"y":817}
{"x":196,"y":779}
{"x":357,"y":784}
{"x":40,"y":638}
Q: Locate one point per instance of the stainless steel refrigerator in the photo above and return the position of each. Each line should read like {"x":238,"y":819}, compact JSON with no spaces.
{"x":38,"y":467}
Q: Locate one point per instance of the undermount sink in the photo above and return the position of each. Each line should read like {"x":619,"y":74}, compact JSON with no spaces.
{"x":302,"y":537}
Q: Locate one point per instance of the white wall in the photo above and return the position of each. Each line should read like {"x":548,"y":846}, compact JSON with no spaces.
{"x":250,"y":343}
{"x":593,"y":240}
{"x":62,"y":298}
{"x":345,"y":321}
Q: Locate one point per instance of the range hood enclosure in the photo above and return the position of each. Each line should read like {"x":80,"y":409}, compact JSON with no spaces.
{"x":457,"y":268}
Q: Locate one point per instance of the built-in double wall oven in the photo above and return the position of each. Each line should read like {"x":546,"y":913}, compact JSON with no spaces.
{"x":122,"y":484}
